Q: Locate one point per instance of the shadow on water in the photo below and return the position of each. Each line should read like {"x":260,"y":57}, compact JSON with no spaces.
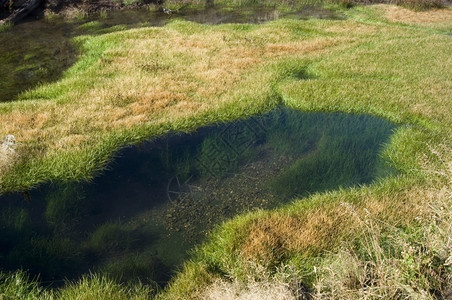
{"x":158,"y":199}
{"x":32,"y":53}
{"x":39,"y":51}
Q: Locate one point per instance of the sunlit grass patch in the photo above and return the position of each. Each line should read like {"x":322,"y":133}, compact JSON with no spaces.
{"x":435,"y":18}
{"x":20,"y":286}
{"x":93,"y":287}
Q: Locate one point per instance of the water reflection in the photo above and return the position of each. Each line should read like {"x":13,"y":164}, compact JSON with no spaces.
{"x":156,"y":200}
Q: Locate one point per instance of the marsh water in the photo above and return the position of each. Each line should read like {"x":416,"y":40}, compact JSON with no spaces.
{"x":140,"y":218}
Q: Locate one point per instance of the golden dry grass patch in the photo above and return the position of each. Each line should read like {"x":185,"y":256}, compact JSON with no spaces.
{"x":74,"y":141}
{"x":150,"y":93}
{"x":269,"y":238}
{"x":436,"y":18}
{"x":310,"y":230}
{"x":31,"y":128}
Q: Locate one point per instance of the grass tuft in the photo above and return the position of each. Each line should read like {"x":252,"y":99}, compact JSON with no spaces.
{"x":97,"y":287}
{"x":18,"y":285}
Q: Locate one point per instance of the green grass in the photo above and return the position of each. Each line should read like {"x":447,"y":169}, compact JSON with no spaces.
{"x":5,"y":27}
{"x":368,"y":239}
{"x":288,"y":5}
{"x":19,"y":286}
{"x":100,"y":287}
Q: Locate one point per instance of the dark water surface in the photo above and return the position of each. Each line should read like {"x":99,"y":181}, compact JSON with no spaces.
{"x":158,"y":199}
{"x":38,"y":51}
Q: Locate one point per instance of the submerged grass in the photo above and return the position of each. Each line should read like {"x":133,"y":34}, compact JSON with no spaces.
{"x":368,"y":242}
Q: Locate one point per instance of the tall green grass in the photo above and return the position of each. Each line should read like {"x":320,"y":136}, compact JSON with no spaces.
{"x":18,"y":285}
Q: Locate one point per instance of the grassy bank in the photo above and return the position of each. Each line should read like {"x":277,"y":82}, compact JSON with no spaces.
{"x":390,"y":239}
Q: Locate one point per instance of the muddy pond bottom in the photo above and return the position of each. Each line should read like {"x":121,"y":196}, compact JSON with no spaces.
{"x":141,"y":217}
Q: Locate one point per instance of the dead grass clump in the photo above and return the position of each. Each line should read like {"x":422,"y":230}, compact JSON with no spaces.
{"x":439,"y":225}
{"x":271,"y":238}
{"x":390,"y":263}
{"x":283,"y":284}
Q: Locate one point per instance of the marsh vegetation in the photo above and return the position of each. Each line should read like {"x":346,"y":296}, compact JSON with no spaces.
{"x":342,"y":236}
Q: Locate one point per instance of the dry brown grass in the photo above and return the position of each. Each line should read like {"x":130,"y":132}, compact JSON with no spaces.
{"x":271,"y":238}
{"x":258,"y":284}
{"x":311,"y":231}
{"x":416,"y":267}
{"x":436,"y":18}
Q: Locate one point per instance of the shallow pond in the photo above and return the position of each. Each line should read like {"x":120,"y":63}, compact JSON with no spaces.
{"x":139,"y":219}
{"x":38,"y":51}
{"x":157,"y":200}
